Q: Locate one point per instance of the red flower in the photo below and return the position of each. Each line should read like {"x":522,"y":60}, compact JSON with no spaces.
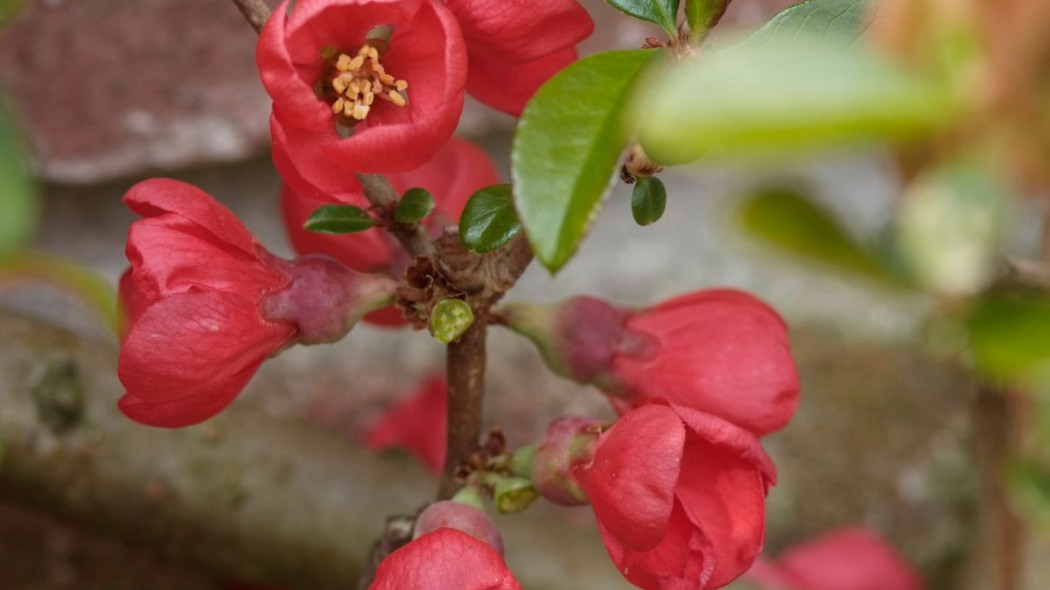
{"x":457,"y":172}
{"x":206,"y":304}
{"x":849,"y":559}
{"x":446,"y":559}
{"x":417,"y":424}
{"x":402,"y":105}
{"x":679,"y":495}
{"x":720,"y":351}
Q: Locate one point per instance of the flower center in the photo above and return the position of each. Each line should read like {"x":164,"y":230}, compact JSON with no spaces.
{"x":352,"y":83}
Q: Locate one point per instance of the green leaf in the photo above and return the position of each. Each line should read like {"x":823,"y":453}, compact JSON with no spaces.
{"x":797,"y":226}
{"x":449,"y":319}
{"x":415,"y":205}
{"x":1010,"y":334}
{"x":1029,"y":487}
{"x":10,"y":9}
{"x":566,"y":148}
{"x":833,"y":21}
{"x":338,"y":219}
{"x":648,"y":200}
{"x":19,"y":207}
{"x":701,"y":15}
{"x":951,"y":226}
{"x":781,"y":96}
{"x":660,"y":12}
{"x":489,"y":221}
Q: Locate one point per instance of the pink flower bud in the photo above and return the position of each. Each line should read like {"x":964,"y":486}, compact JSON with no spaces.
{"x":567,"y":441}
{"x":720,"y":351}
{"x":462,"y":517}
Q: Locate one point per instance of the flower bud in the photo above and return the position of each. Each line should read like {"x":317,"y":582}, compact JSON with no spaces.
{"x":325,"y":299}
{"x":569,"y":440}
{"x":470,"y":519}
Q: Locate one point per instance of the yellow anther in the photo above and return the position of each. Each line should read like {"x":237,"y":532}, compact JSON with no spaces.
{"x":339,"y":84}
{"x":401,"y":85}
{"x":373,"y":54}
{"x":356,"y":80}
{"x":386,"y":79}
{"x":361,"y":111}
{"x":356,"y":63}
{"x":396,"y":98}
{"x":363,"y":50}
{"x":369,"y":98}
{"x":337,"y":106}
{"x":343,"y":63}
{"x":349,"y":107}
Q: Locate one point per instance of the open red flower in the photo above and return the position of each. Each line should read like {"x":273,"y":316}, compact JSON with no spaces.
{"x":457,"y":172}
{"x":418,"y":424}
{"x":721,"y":351}
{"x":849,"y":559}
{"x":206,"y":304}
{"x":679,"y":495}
{"x":446,"y":559}
{"x":346,"y":103}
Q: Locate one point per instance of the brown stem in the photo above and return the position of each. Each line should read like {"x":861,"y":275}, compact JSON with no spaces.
{"x":256,"y":12}
{"x":413,"y":237}
{"x":466,"y":390}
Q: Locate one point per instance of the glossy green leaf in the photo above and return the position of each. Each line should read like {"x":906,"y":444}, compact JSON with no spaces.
{"x":338,"y":219}
{"x":660,"y":12}
{"x":797,"y":226}
{"x":700,"y":15}
{"x":832,"y":21}
{"x":778,"y":97}
{"x":648,"y":200}
{"x":951,"y":226}
{"x":566,"y":148}
{"x":449,"y":319}
{"x":414,"y":206}
{"x":19,"y":207}
{"x":1010,"y":334}
{"x":489,"y":220}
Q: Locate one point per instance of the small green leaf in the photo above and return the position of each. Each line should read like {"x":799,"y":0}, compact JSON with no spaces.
{"x":1010,"y":334}
{"x":660,"y":12}
{"x":951,"y":225}
{"x":415,"y":205}
{"x":566,"y":148}
{"x":449,"y":319}
{"x":648,"y":200}
{"x":19,"y":207}
{"x":701,"y":15}
{"x":489,"y":221}
{"x":338,"y":219}
{"x":833,"y":21}
{"x":782,"y":96}
{"x":797,"y":226}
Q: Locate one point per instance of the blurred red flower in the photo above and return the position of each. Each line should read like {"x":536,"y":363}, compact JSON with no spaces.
{"x":417,"y":424}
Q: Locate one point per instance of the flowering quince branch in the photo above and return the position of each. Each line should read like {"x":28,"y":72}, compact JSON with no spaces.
{"x":256,"y":12}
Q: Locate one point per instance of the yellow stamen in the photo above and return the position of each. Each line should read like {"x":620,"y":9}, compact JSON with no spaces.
{"x":353,"y":82}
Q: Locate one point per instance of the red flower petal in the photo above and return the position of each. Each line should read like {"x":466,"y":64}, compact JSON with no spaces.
{"x":508,"y":86}
{"x":330,"y":183}
{"x":725,"y":476}
{"x":417,"y":424}
{"x":196,"y":343}
{"x":445,"y":559}
{"x":631,"y":480}
{"x":682,"y":561}
{"x":187,"y":411}
{"x":721,"y":352}
{"x":133,"y":300}
{"x":849,"y":559}
{"x":521,"y":30}
{"x":157,"y":196}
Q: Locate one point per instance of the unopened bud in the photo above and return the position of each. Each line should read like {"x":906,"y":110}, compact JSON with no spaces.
{"x":462,"y":517}
{"x":568,"y":441}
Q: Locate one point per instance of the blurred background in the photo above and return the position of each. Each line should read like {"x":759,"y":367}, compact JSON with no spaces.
{"x":277,"y":490}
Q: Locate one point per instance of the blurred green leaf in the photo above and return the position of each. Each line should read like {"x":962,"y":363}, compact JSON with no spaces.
{"x":338,"y":219}
{"x":19,"y":208}
{"x":566,"y":148}
{"x":701,"y":14}
{"x":782,"y":96}
{"x":795,"y":225}
{"x":1029,"y":486}
{"x":1010,"y":334}
{"x":951,"y":225}
{"x":660,"y":12}
{"x":414,"y":206}
{"x":489,"y":220}
{"x":832,"y":21}
{"x":79,"y":281}
{"x":648,"y":200}
{"x":10,"y":9}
